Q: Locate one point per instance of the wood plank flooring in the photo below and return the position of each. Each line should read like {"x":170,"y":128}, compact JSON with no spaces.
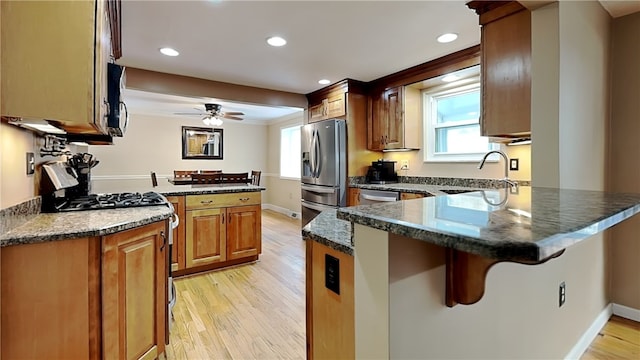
{"x":619,"y":339}
{"x":254,"y":311}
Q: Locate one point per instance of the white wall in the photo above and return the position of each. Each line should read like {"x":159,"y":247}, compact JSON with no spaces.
{"x":153,"y":143}
{"x":281,"y":193}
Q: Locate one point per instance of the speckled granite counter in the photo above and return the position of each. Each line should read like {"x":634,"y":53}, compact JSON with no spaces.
{"x":67,"y":225}
{"x":330,"y":231}
{"x":531,"y":225}
{"x":429,"y":190}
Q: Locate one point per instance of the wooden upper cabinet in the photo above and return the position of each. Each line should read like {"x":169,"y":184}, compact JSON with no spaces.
{"x":506,"y":68}
{"x":394,"y":119}
{"x":54,"y":62}
{"x":331,"y":107}
{"x":134,"y":292}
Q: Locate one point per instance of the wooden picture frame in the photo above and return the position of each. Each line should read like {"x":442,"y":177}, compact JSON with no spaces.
{"x":202,"y":143}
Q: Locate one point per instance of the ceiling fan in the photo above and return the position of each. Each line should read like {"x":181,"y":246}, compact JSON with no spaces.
{"x":213,"y":114}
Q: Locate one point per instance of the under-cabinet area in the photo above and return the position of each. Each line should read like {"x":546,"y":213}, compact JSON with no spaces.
{"x":216,"y":230}
{"x":99,"y":297}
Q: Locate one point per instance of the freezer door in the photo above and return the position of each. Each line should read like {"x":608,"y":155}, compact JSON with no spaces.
{"x":324,"y":153}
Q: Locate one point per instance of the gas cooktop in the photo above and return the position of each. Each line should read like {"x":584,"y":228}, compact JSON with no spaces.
{"x":112,"y":201}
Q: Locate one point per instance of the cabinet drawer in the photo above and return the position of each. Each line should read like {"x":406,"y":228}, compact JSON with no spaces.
{"x":222,"y":200}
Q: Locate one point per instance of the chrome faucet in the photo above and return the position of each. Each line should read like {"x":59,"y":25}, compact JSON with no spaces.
{"x":506,"y":180}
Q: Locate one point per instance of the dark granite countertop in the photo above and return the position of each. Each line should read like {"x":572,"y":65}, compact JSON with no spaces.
{"x":531,"y":225}
{"x":330,"y":231}
{"x":75,"y":224}
{"x":43,"y":227}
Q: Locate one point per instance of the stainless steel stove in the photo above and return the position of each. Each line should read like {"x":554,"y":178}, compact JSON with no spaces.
{"x":111,"y":201}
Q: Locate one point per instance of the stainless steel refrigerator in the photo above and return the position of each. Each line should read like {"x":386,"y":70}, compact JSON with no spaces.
{"x":324,"y":167}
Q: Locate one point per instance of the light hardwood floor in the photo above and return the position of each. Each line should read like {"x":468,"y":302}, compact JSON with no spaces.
{"x":619,"y":339}
{"x":254,"y":311}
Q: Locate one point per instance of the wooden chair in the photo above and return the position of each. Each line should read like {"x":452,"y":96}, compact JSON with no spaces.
{"x":154,"y":179}
{"x":205,"y":178}
{"x":181,"y":174}
{"x":234,"y":178}
{"x":255,"y":177}
{"x":210,"y":171}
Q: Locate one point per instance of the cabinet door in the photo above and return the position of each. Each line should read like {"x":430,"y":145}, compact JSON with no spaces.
{"x":244,"y":231}
{"x":206,"y":234}
{"x":336,"y":106}
{"x":377,"y":124}
{"x":409,"y":196}
{"x":394,"y":121}
{"x":353,"y":197}
{"x":177,"y":254}
{"x":506,"y":75}
{"x":318,"y":112}
{"x":134,"y":293}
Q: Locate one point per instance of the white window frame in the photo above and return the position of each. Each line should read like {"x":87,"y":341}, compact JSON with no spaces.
{"x":289,"y":153}
{"x":430,"y":125}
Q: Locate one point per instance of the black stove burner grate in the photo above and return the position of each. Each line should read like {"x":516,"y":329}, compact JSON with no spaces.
{"x":113,"y":201}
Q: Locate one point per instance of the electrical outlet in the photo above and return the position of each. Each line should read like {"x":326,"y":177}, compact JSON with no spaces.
{"x":562,"y":294}
{"x":31,"y":163}
{"x":404,"y":164}
{"x":514,"y":164}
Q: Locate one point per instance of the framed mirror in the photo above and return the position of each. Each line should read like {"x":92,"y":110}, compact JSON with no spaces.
{"x":201,"y":143}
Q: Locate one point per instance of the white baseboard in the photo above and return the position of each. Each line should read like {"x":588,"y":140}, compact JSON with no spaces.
{"x":587,"y":338}
{"x":626,"y":312}
{"x":288,"y":212}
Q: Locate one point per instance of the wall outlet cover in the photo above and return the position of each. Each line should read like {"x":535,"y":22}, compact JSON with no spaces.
{"x":31,"y":163}
{"x":514,"y":164}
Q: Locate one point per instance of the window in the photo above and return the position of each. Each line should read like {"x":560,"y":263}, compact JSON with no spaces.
{"x":290,"y":152}
{"x":452,"y":128}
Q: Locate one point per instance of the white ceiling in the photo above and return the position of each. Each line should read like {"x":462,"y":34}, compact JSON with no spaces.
{"x":224,"y":40}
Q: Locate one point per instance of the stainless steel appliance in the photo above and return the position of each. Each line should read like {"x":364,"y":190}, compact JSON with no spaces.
{"x":118,"y":117}
{"x":324,"y":167}
{"x":368,"y":197}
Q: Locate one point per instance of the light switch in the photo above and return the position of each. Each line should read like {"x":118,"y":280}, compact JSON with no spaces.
{"x":31,"y":163}
{"x":513,"y":164}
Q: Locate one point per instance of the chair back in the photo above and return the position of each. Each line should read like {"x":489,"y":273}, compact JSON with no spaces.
{"x":205,"y":178}
{"x":255,"y":177}
{"x":234,"y":178}
{"x":181,"y":174}
{"x":210,"y":171}
{"x":154,"y":179}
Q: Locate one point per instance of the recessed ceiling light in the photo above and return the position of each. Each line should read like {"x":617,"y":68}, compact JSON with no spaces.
{"x":446,"y":38}
{"x":450,"y":78}
{"x":169,"y":51}
{"x":323,"y":82}
{"x":276,"y":41}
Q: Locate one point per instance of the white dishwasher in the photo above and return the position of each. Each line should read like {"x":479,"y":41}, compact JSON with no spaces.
{"x":368,"y":197}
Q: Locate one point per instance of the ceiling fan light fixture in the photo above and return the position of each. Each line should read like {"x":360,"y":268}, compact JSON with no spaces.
{"x":216,"y":121}
{"x":169,"y":51}
{"x":276,"y":41}
{"x":447,"y":38}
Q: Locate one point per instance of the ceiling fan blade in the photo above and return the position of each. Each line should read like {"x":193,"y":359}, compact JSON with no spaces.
{"x":233,"y":113}
{"x":181,"y":113}
{"x":232,"y":117}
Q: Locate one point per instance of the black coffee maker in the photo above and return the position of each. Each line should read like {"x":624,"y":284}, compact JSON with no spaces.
{"x":382,"y":172}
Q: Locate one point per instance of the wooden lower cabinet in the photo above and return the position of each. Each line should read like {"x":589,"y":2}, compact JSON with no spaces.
{"x":221,"y":230}
{"x":134,"y":293}
{"x":409,"y":196}
{"x":86,"y":298}
{"x":330,"y":315}
{"x":353,"y":196}
{"x":179,"y":233}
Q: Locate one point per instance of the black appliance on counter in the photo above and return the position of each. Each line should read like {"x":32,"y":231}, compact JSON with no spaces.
{"x":382,"y":172}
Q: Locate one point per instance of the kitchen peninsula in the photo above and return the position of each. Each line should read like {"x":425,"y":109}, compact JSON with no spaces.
{"x":413,"y":260}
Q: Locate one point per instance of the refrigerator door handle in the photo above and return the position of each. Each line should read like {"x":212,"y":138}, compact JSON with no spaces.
{"x":317,"y":154}
{"x":312,"y":150}
{"x":318,"y":189}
